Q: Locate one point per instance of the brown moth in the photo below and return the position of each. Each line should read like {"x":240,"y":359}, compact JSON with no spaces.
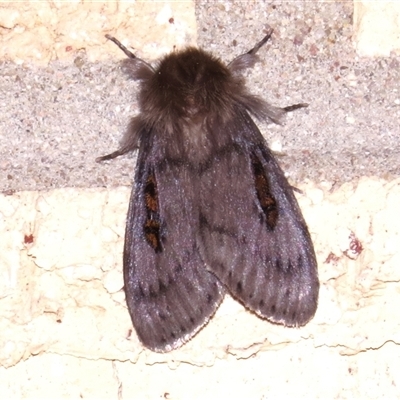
{"x":211,"y":210}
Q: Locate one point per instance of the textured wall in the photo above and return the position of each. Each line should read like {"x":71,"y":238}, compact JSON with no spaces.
{"x":65,"y":329}
{"x":41,"y":31}
{"x":62,"y":302}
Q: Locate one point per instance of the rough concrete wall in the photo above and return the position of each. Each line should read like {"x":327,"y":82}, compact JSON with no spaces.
{"x":66,"y":332}
{"x":48,"y":30}
{"x":64,"y":319}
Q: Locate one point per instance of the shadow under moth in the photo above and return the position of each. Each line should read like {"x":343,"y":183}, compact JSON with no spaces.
{"x":211,"y":210}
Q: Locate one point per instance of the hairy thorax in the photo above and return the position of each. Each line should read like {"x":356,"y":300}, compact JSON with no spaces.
{"x":190,"y":88}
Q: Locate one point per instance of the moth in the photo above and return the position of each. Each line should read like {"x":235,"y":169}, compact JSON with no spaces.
{"x":211,"y":210}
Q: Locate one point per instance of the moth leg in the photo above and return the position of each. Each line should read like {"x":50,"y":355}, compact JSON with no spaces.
{"x":295,"y":107}
{"x":130,"y":141}
{"x":111,"y":156}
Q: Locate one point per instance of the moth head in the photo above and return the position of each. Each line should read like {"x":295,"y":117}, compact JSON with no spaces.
{"x":189,"y":85}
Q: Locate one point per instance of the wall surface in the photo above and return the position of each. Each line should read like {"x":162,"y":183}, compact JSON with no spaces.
{"x":66,"y":331}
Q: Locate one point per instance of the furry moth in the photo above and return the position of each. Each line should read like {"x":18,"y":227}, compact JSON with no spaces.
{"x":211,"y":210}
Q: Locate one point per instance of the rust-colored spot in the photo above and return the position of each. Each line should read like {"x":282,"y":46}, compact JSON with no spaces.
{"x":264,"y":195}
{"x":28,"y":239}
{"x":355,"y":247}
{"x":331,"y":259}
{"x":171,"y":20}
{"x":152,"y":226}
{"x":152,"y":233}
{"x":151,"y":195}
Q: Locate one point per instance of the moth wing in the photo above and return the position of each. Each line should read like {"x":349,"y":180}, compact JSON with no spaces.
{"x":169,"y":292}
{"x":253,"y":235}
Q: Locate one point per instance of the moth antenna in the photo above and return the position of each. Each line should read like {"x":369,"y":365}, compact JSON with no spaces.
{"x":121,"y":46}
{"x":247,"y":60}
{"x":126,"y":51}
{"x":261,"y":43}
